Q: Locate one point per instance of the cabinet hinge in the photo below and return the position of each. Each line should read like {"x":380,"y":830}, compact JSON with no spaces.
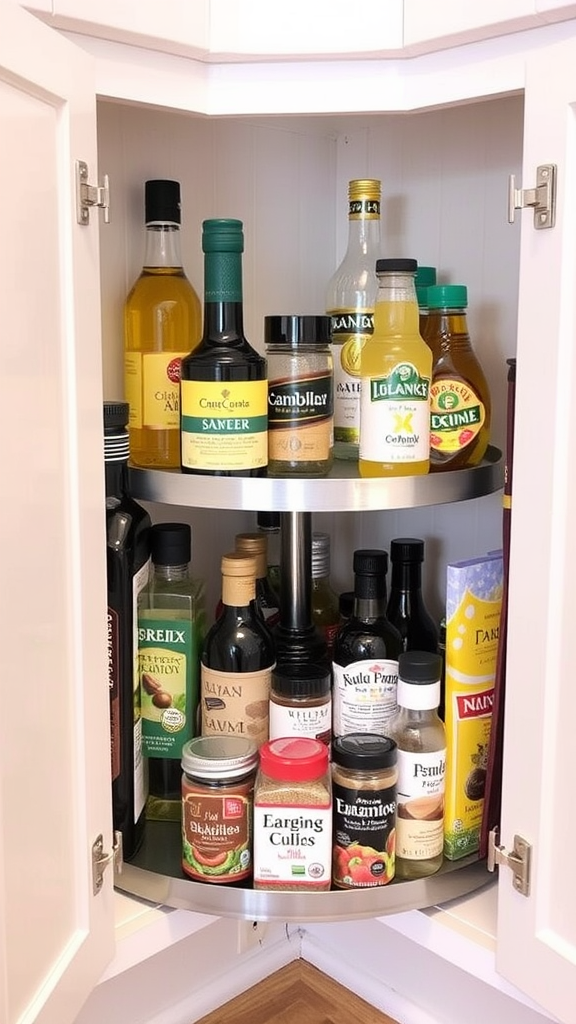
{"x":518,"y":860}
{"x":542,"y":198}
{"x":90,"y":195}
{"x":101,"y":860}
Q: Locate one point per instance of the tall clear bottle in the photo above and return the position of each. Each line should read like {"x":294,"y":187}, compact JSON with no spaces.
{"x":406,"y":607}
{"x":325,"y":603}
{"x":366,"y":650}
{"x":396,"y":369}
{"x":127,"y":565}
{"x":171,"y":627}
{"x":162,"y":324}
{"x":224,"y":387}
{"x":421,"y":739}
{"x":350,"y":299}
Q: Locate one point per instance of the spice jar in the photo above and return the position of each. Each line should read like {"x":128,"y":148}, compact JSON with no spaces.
{"x":293,"y":816}
{"x":301,"y":702}
{"x":300,"y":395}
{"x":217,"y":803}
{"x":364,"y":777}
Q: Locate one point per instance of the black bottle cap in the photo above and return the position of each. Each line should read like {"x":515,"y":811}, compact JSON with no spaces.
{"x":370,"y":562}
{"x":399,"y":265}
{"x":116,"y":415}
{"x":407,"y":549}
{"x":171,"y":543}
{"x":297,"y":330}
{"x":364,"y":750}
{"x":301,"y":680}
{"x":162,"y":201}
{"x":268,"y":520}
{"x":419,"y":667}
{"x":222,"y":234}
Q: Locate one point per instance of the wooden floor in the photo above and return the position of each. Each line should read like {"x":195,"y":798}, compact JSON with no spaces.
{"x":297,"y":994}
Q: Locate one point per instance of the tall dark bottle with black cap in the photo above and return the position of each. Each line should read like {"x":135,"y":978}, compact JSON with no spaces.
{"x":406,"y":607}
{"x":128,"y":565}
{"x":162,"y":324}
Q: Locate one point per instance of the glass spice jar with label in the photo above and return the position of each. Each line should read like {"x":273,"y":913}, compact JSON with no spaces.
{"x":301,"y":701}
{"x":300,"y":395}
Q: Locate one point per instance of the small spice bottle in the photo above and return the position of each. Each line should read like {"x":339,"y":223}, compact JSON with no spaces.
{"x":293,"y":816}
{"x":364,"y":777}
{"x":300,"y":395}
{"x":301,"y":702}
{"x":217,"y":803}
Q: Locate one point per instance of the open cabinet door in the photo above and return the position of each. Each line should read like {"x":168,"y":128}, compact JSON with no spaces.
{"x":56,"y":935}
{"x":537,"y":933}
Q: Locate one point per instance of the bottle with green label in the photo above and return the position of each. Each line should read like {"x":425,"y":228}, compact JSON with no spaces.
{"x":460,"y":405}
{"x":224,"y":386}
{"x":171,"y":626}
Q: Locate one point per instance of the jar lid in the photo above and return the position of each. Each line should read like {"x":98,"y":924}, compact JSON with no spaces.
{"x":407,"y":549}
{"x":293,"y":331}
{"x":294,"y":759}
{"x":441,"y":296}
{"x":399,"y":266}
{"x":307,"y":680}
{"x":422,"y":667}
{"x":364,"y":750}
{"x":219,"y":757}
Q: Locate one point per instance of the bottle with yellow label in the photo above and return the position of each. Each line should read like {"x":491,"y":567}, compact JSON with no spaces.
{"x":395,"y":373}
{"x":460,"y":406}
{"x":162,"y":323}
{"x":224,"y":386}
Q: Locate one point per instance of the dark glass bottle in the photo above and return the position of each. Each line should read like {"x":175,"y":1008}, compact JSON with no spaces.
{"x":127,"y":564}
{"x":406,"y":607}
{"x":224,"y":387}
{"x":366,"y":650}
{"x":237,"y":658}
{"x":171,"y":627}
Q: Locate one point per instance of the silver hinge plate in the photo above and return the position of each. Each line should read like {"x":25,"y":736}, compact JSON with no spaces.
{"x":542,"y":198}
{"x":518,"y":860}
{"x":101,"y":860}
{"x":90,"y":195}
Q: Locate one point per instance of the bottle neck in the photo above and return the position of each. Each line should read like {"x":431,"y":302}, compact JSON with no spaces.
{"x":396,"y":313}
{"x":116,"y":478}
{"x":238,"y":591}
{"x":162,"y":246}
{"x":171,"y":573}
{"x":448,"y":328}
{"x":369,"y":597}
{"x":364,"y":232}
{"x":223,"y":311}
{"x":406,"y":576}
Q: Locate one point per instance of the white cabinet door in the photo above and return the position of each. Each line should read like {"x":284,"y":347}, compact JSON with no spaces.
{"x":537,"y":935}
{"x":56,"y":937}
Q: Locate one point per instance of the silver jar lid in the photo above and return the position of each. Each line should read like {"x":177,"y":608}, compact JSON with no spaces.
{"x":219,"y":757}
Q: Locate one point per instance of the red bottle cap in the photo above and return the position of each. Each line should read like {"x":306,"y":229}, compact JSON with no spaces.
{"x":294,"y":759}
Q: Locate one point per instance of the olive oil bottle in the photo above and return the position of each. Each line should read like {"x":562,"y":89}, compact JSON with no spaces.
{"x":162,"y":323}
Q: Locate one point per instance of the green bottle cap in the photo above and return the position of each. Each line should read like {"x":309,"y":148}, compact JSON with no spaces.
{"x":222,"y":235}
{"x":425,"y":276}
{"x":447,"y":296}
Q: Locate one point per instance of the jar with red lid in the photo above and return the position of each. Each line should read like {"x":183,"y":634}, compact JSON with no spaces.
{"x":293,"y":816}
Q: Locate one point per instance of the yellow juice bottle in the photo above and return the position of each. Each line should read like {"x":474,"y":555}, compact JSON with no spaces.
{"x":395,"y":373}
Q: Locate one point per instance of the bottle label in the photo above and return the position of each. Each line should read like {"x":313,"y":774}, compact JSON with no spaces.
{"x":313,"y":721}
{"x":350,"y":329}
{"x":456,"y":415}
{"x":364,"y":696}
{"x":169,"y":659}
{"x":364,"y":835}
{"x":292,"y":844}
{"x":235,"y":703}
{"x":224,"y":425}
{"x":217,"y":830}
{"x":152,"y":385}
{"x":420,"y":815}
{"x":301,"y":419}
{"x":395,"y":414}
{"x":139,"y":581}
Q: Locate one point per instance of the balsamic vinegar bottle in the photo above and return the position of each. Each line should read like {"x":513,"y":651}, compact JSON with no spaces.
{"x":406,"y":608}
{"x":224,"y":388}
{"x":127,"y":564}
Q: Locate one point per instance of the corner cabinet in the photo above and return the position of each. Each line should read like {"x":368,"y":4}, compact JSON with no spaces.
{"x":287,"y":137}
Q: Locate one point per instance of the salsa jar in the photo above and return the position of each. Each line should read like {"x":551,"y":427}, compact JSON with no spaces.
{"x":364,"y":778}
{"x":218,"y":774}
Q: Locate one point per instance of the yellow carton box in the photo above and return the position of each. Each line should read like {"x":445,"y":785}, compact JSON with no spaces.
{"x":473,"y":608}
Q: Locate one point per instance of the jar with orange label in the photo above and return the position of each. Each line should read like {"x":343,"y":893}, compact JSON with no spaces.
{"x":217,"y":807}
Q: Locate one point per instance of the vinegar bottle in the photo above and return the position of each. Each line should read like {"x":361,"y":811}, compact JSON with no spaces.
{"x":162,"y":323}
{"x":460,"y":405}
{"x":406,"y":608}
{"x":350,"y":299}
{"x":396,"y":367}
{"x":224,"y":387}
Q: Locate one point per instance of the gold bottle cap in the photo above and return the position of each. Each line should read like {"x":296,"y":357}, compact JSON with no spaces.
{"x":364,"y":188}
{"x":238,"y":564}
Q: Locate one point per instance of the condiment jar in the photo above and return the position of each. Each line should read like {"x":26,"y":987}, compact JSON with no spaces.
{"x":364,"y":777}
{"x":301,"y":701}
{"x":293,"y":816}
{"x":217,"y":801}
{"x":300,"y":395}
